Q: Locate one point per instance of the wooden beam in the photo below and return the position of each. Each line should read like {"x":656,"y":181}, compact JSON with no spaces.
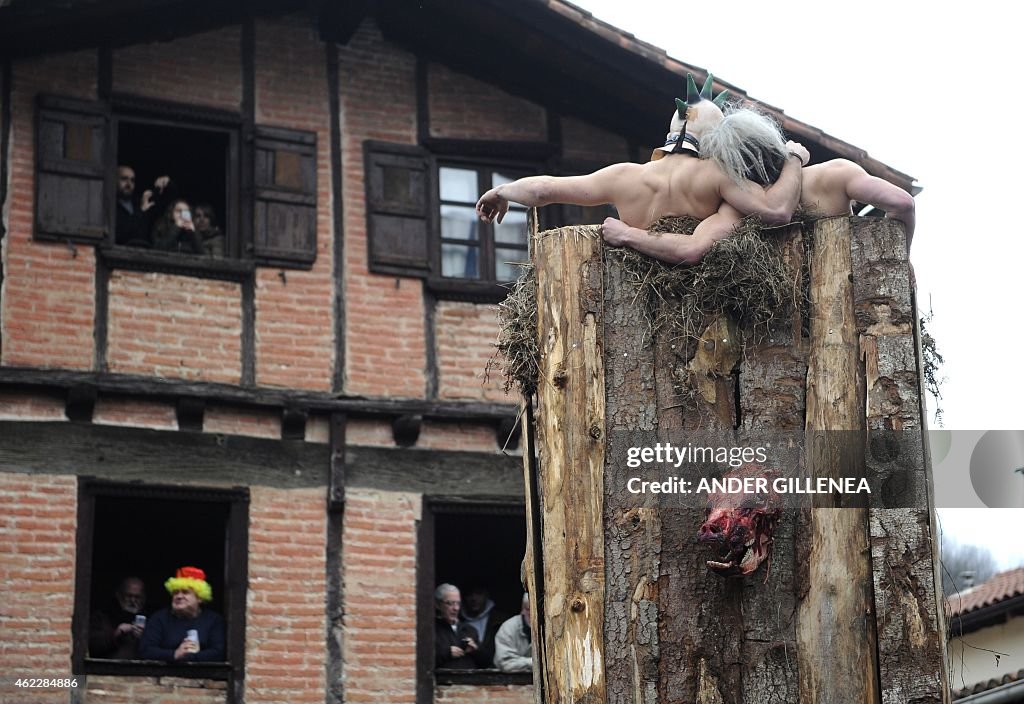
{"x":137,"y":454}
{"x":571,"y":438}
{"x":835,"y":620}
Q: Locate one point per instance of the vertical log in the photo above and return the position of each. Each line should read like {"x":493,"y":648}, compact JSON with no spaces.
{"x":835,"y":621}
{"x":903,"y":549}
{"x":632,"y":529}
{"x":571,"y":439}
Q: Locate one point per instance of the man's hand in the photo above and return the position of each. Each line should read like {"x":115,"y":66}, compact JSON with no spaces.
{"x":492,"y":206}
{"x":185,"y":648}
{"x":470,"y":645}
{"x":161,"y":183}
{"x":800,"y":151}
{"x":147,"y":200}
{"x":123,"y":629}
{"x":615,"y":232}
{"x":457,"y":652}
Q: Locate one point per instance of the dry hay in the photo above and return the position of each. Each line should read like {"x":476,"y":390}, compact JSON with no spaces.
{"x":744,"y":275}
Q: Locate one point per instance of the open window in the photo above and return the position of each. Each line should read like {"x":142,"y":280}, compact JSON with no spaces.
{"x":147,"y":533}
{"x":230,"y":203}
{"x":470,"y":545}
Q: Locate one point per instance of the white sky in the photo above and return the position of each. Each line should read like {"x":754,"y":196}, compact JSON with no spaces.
{"x":916,"y":84}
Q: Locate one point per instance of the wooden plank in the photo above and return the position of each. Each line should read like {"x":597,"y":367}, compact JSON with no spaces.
{"x":835,"y":619}
{"x":571,"y":438}
{"x":911,"y":626}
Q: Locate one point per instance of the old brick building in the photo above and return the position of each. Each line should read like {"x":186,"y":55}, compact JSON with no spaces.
{"x":303,"y":415}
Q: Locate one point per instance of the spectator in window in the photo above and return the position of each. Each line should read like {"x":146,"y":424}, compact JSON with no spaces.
{"x":210,"y":234}
{"x":114,"y":631}
{"x":175,"y":231}
{"x":455,"y":644}
{"x":513,"y":644}
{"x":134,"y":219}
{"x":167,"y":633}
{"x":479,"y":612}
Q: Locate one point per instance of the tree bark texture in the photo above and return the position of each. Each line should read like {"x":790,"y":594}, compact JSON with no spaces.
{"x":631,"y":612}
{"x":571,"y":442}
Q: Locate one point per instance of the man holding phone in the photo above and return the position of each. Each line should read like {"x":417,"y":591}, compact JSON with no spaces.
{"x":456,"y":645}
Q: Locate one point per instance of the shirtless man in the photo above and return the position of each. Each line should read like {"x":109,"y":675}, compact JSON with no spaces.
{"x":680,"y":183}
{"x":829,"y":189}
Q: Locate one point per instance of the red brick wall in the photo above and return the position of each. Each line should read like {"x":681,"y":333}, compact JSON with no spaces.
{"x":37,"y":569}
{"x":236,"y":421}
{"x":463,"y":107}
{"x":586,"y":143}
{"x":285,"y":644}
{"x":166,"y":690}
{"x":465,"y":337}
{"x":22,"y":406}
{"x":134,"y":412}
{"x":466,"y":694}
{"x":175,"y":326}
{"x":379,"y":540}
{"x":47,"y":307}
{"x":203,"y":69}
{"x":384,"y":316}
{"x":295,"y":314}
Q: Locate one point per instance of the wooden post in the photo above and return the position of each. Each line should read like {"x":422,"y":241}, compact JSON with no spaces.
{"x":835,"y":620}
{"x":570,"y":433}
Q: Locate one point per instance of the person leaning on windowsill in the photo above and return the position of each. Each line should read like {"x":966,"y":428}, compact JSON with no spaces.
{"x":166,"y":634}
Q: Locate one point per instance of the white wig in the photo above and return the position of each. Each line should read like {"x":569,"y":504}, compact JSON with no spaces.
{"x":746,"y":144}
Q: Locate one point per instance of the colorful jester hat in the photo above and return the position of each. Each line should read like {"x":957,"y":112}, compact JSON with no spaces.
{"x":190,"y":578}
{"x":677,"y":133}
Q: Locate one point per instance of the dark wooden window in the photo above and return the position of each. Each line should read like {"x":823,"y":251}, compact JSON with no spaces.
{"x":267,"y":215}
{"x":285,"y":232}
{"x":71,"y":173}
{"x":399,"y":187}
{"x":467,"y":545}
{"x":145,"y":531}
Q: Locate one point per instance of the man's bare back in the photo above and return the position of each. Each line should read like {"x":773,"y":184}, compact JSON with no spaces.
{"x":828,"y":189}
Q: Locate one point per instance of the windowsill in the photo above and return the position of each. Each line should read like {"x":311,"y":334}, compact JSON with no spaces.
{"x":155,"y":668}
{"x":482,"y":677}
{"x":140,"y":259}
{"x":468,"y":290}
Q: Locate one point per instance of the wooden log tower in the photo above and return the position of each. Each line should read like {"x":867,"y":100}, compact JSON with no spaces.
{"x":625,"y":609}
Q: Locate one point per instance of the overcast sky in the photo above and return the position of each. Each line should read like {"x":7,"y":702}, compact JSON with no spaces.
{"x":920,"y":87}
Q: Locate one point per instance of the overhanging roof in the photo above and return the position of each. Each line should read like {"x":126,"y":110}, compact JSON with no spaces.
{"x":548,"y":51}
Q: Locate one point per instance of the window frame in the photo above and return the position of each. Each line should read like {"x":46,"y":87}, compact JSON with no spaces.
{"x":236,"y":575}
{"x":427,"y":677}
{"x":486,"y":288}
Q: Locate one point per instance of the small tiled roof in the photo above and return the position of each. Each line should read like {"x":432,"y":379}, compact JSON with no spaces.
{"x":980,"y":687}
{"x":1000,"y":587}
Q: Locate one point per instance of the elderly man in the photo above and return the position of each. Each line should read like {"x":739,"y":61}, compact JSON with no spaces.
{"x":456,"y":645}
{"x":185,"y":632}
{"x":513,"y":644}
{"x":114,"y":632}
{"x":701,"y":168}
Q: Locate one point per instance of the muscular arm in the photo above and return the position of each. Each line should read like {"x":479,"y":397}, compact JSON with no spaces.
{"x":605,"y":186}
{"x":897,"y":203}
{"x":774,"y":205}
{"x":673,"y":247}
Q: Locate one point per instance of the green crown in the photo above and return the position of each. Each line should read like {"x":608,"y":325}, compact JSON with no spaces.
{"x":693,"y":96}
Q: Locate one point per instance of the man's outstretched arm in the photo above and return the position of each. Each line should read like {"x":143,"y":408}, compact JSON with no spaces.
{"x":774,"y":205}
{"x":673,"y":247}
{"x":604,"y":186}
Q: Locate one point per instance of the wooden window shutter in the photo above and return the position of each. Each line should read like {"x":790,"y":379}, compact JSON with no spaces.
{"x":399,"y":197}
{"x":72,"y":170}
{"x":285,"y":217}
